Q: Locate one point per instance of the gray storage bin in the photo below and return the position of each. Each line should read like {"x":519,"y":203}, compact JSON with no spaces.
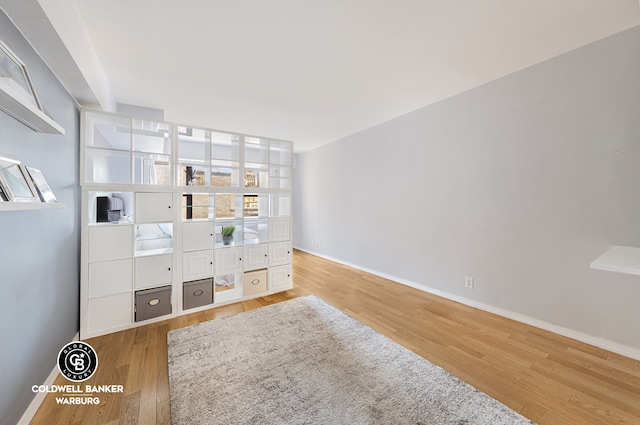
{"x":153,"y":302}
{"x":197,"y":293}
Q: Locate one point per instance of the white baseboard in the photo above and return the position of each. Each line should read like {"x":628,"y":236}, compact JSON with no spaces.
{"x":28,"y":414}
{"x":606,"y":344}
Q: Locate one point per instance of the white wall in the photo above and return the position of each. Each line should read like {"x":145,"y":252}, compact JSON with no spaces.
{"x":519,"y":183}
{"x":39,"y":249}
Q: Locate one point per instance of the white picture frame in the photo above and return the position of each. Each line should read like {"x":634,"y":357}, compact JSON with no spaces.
{"x":14,"y":74}
{"x":41,"y":185}
{"x":16,"y":181}
{"x":18,"y":96}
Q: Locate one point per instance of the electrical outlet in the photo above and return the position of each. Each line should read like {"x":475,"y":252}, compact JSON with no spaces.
{"x":468,"y":282}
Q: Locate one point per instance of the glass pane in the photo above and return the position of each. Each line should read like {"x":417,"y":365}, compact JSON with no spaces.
{"x":255,"y":205}
{"x":225,"y":146}
{"x":196,"y":206}
{"x":256,"y":175}
{"x":281,"y":183}
{"x":225,"y":173}
{"x":152,"y":137}
{"x":150,"y":168}
{"x":14,"y":74}
{"x":106,"y":166}
{"x":228,"y":233}
{"x":280,"y":176}
{"x":280,"y":152}
{"x":192,"y":175}
{"x":152,"y":239}
{"x":193,"y":145}
{"x":227,"y":287}
{"x":106,"y":131}
{"x":280,"y":205}
{"x":228,"y":205}
{"x":256,"y":150}
{"x":255,"y":231}
{"x":280,"y":171}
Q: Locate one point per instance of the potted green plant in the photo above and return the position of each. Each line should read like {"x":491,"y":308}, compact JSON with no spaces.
{"x":227,"y":234}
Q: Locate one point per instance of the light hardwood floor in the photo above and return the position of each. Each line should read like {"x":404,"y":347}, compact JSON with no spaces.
{"x":548,"y":378}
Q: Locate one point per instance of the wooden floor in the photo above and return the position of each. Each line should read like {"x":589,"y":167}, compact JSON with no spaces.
{"x":547,"y":378}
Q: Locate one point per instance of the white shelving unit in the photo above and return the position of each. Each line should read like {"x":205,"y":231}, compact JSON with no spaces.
{"x":176,"y":188}
{"x":619,"y":259}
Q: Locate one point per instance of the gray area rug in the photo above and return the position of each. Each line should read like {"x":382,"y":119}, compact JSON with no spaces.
{"x":303,"y":361}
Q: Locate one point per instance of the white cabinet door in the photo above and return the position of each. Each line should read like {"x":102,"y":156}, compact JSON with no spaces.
{"x":255,"y":257}
{"x":153,"y":270}
{"x":110,"y":312}
{"x":197,"y":236}
{"x":280,"y":278}
{"x":110,"y":277}
{"x":153,"y":207}
{"x":197,"y":265}
{"x":228,"y":260}
{"x":110,"y":242}
{"x":279,"y":253}
{"x":279,"y":229}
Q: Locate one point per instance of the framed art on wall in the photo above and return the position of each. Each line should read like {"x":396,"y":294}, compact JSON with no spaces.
{"x":45,"y":192}
{"x":16,"y":182}
{"x":18,"y":95}
{"x":13,"y":73}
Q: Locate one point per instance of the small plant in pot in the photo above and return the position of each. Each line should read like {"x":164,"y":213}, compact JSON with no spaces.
{"x":227,"y":234}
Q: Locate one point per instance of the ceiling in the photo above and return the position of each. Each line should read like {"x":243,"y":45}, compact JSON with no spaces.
{"x":316,"y":71}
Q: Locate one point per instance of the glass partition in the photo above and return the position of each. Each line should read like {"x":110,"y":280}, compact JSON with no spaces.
{"x":153,"y":239}
{"x":280,"y":205}
{"x":197,"y":206}
{"x":107,"y":157}
{"x":228,"y":219}
{"x":225,"y":160}
{"x":193,"y":156}
{"x":280,"y":153}
{"x":256,"y":162}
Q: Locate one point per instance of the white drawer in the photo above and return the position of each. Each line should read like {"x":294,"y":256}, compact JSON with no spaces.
{"x":153,"y":207}
{"x":197,"y":236}
{"x":228,"y":260}
{"x":280,"y":278}
{"x":279,"y":253}
{"x":255,"y":257}
{"x":153,"y":270}
{"x":110,"y":242}
{"x":110,"y":312}
{"x":279,"y":229}
{"x":197,"y":265}
{"x":110,"y":277}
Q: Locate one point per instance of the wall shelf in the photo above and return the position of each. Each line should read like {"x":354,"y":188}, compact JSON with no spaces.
{"x":14,"y":104}
{"x":619,"y":259}
{"x":21,"y":206}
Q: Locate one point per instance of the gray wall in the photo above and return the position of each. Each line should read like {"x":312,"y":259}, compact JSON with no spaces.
{"x":39,"y":250}
{"x":520,"y":183}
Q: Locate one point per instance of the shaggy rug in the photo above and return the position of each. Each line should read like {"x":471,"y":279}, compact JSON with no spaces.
{"x":303,"y":361}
